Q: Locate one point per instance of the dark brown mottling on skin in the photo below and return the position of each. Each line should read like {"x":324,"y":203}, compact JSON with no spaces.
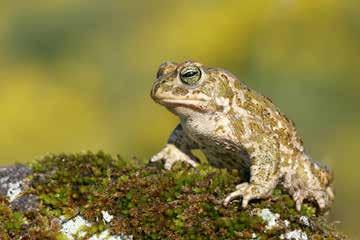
{"x":180,"y":91}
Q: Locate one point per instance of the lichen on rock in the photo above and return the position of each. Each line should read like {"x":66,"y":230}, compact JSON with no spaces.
{"x":119,"y":200}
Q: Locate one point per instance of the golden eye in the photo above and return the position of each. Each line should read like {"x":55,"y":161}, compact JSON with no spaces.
{"x":190,"y":75}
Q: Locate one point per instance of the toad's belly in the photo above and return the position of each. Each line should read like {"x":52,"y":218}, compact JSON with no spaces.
{"x":230,"y":157}
{"x":230,"y":160}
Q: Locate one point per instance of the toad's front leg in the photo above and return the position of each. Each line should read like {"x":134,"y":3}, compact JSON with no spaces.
{"x":263,"y":180}
{"x":177,"y":149}
{"x":171,"y":154}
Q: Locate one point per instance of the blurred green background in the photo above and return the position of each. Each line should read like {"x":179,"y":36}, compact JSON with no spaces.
{"x":76,"y":75}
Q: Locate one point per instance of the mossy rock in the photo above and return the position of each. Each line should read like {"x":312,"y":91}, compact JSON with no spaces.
{"x":148,"y":202}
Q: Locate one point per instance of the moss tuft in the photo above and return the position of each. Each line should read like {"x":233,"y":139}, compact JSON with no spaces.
{"x":10,"y":222}
{"x":147,"y":202}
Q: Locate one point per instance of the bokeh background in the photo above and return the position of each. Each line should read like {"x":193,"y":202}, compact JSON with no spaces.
{"x":75,"y":75}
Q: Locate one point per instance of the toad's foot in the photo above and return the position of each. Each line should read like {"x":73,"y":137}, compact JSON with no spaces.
{"x":323,"y":198}
{"x":247,"y":192}
{"x":170,"y":154}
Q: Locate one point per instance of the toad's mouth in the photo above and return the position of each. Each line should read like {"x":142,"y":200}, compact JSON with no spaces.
{"x":197,"y":105}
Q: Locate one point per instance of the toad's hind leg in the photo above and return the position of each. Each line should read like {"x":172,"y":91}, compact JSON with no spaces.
{"x":309,"y":182}
{"x":264,"y":178}
{"x":322,"y":197}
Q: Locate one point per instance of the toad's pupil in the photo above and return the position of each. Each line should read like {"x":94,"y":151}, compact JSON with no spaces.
{"x":190,"y":73}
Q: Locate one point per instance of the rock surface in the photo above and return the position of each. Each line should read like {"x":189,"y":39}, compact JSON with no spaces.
{"x":96,"y":196}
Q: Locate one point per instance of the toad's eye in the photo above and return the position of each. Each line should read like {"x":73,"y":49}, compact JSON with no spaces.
{"x":190,"y":75}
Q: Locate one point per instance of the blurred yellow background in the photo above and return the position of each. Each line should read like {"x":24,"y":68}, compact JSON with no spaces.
{"x":76,"y":75}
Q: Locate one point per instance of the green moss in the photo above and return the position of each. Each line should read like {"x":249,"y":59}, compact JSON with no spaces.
{"x":10,"y":222}
{"x":31,"y":225}
{"x":148,"y":202}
